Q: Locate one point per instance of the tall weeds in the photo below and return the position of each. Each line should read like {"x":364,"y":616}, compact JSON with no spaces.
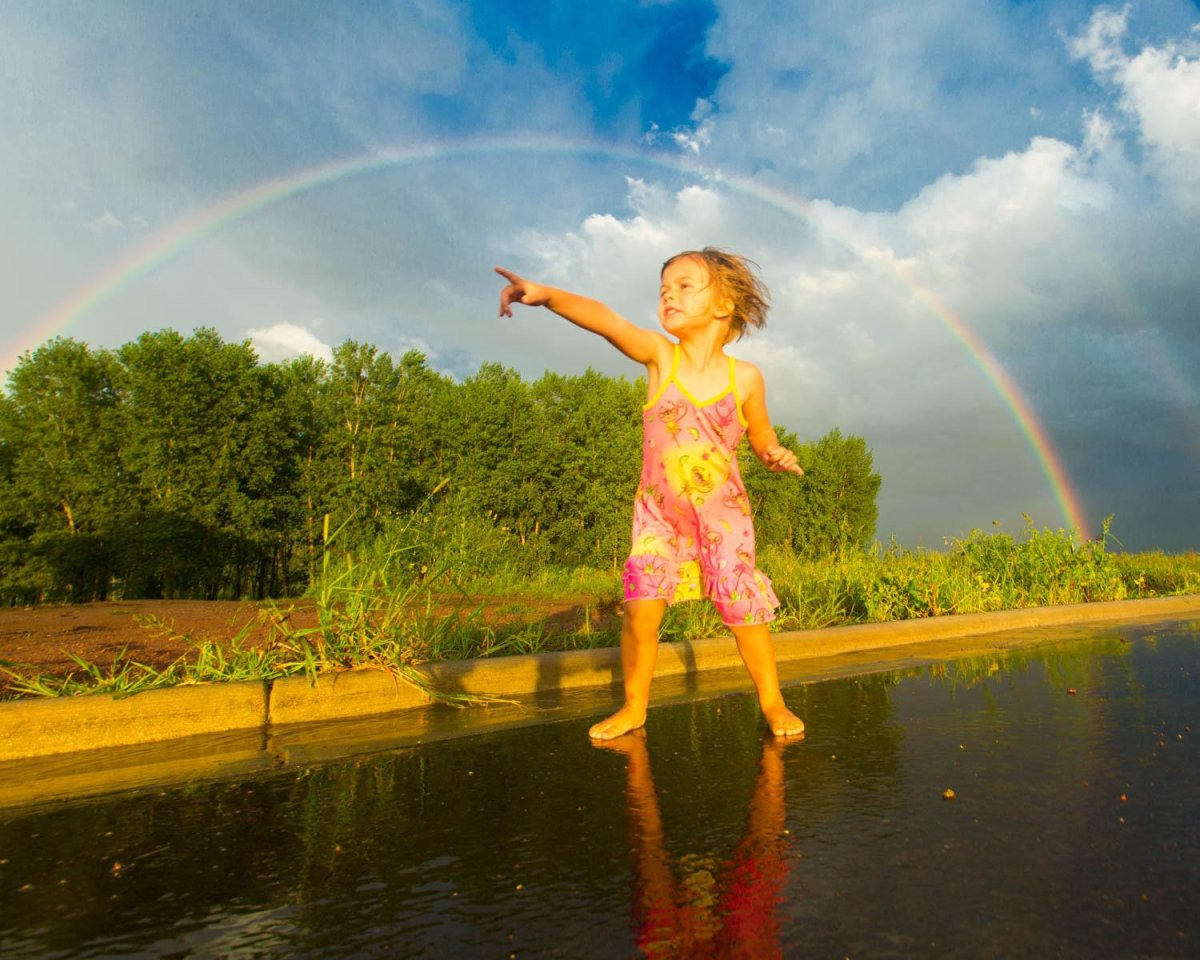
{"x":415,"y":594}
{"x":978,"y":573}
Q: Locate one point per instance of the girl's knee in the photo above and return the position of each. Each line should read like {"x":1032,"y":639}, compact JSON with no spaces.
{"x":644,"y":614}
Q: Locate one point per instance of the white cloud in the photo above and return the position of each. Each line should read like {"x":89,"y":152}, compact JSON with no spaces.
{"x":694,"y":139}
{"x":1098,"y":133}
{"x":988,"y":238}
{"x":1100,"y":41}
{"x":107,"y":221}
{"x":1159,"y":89}
{"x":305,"y":79}
{"x":283,"y":341}
{"x":1004,"y":193}
{"x":854,"y":100}
{"x":690,"y":140}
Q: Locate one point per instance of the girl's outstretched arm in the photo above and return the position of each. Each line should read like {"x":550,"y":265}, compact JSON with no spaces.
{"x":763,"y":439}
{"x":637,"y":343}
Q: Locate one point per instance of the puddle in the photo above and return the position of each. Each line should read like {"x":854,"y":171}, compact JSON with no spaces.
{"x":1074,"y":828}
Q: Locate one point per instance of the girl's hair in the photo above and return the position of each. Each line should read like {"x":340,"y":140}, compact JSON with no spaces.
{"x":737,"y":280}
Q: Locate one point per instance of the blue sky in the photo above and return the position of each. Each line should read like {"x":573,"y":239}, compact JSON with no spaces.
{"x":1029,"y":170}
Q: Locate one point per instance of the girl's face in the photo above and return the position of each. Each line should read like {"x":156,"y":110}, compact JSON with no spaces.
{"x":688,"y":299}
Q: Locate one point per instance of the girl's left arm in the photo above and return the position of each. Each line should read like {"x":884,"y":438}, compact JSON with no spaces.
{"x":763,"y":439}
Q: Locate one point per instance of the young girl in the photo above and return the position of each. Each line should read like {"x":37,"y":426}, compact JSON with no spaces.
{"x":692,"y":533}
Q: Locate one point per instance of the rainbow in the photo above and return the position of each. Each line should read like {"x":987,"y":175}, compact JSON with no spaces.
{"x":174,"y":239}
{"x":1021,"y":410}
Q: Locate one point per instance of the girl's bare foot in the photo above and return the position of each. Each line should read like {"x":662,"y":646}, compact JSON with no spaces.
{"x":783,"y":722}
{"x":630,"y":744}
{"x":621,"y":722}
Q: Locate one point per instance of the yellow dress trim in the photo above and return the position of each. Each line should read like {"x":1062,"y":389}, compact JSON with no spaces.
{"x":673,"y":377}
{"x":737,"y":401}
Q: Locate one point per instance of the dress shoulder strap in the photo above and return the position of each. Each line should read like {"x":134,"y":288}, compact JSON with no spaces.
{"x":665,"y":380}
{"x":737,"y":400}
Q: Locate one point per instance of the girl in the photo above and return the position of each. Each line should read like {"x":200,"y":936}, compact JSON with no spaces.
{"x":692,"y":533}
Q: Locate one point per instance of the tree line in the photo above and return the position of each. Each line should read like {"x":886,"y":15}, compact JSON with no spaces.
{"x":182,"y":467}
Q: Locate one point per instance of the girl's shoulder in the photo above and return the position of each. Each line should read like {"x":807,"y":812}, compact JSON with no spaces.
{"x":747,"y":376}
{"x":658,"y":367}
{"x":664,"y":352}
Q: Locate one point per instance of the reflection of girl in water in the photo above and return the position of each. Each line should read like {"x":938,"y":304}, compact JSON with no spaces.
{"x":701,"y":912}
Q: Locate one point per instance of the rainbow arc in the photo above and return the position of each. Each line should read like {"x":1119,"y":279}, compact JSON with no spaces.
{"x":176,"y":238}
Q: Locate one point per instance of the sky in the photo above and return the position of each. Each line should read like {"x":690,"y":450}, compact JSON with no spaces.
{"x":978,"y":219}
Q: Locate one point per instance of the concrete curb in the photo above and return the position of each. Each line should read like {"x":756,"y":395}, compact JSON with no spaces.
{"x":34,"y":728}
{"x":337,"y":696}
{"x":42,"y":728}
{"x":534,"y":672}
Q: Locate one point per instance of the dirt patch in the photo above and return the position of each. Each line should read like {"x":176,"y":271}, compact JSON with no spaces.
{"x":40,"y":640}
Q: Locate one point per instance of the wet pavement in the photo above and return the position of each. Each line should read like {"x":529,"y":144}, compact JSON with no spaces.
{"x":1040,"y":801}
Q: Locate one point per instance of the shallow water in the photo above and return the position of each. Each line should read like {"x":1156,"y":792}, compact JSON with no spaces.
{"x":1074,"y":831}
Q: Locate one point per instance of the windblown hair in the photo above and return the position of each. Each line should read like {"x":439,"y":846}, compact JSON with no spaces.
{"x":737,"y":280}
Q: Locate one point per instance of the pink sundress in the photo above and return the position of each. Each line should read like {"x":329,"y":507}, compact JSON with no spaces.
{"x":693,"y":535}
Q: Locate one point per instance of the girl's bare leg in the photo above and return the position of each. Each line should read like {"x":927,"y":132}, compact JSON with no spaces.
{"x":758,"y":654}
{"x":639,"y":653}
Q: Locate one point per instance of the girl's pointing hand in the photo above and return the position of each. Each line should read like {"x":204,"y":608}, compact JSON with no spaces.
{"x":520,"y":290}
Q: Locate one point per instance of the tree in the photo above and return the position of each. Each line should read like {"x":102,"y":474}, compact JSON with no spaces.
{"x":310,"y":423}
{"x":501,"y":451}
{"x":202,"y":445}
{"x":61,"y":473}
{"x":832,"y":506}
{"x":590,"y":465}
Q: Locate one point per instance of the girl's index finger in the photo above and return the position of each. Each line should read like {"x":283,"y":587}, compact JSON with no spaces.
{"x":507,"y":275}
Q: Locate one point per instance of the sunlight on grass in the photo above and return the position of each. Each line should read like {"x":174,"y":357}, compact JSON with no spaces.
{"x":417,"y":593}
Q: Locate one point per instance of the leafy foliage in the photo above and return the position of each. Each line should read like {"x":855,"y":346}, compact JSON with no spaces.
{"x":183,"y":467}
{"x":832,"y":508}
{"x":975,"y":574}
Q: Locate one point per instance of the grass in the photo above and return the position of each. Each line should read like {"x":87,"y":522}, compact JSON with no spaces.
{"x":975,"y":574}
{"x":383,"y":606}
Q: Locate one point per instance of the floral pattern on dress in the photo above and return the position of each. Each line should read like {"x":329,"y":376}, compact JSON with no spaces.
{"x":692,"y":531}
{"x":694,"y":471}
